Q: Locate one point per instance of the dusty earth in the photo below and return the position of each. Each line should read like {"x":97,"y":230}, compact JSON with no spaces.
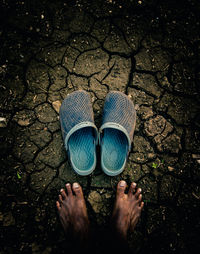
{"x":149,"y":50}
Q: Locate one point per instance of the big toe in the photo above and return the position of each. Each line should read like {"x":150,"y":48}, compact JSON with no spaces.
{"x":77,"y":190}
{"x":121,"y":187}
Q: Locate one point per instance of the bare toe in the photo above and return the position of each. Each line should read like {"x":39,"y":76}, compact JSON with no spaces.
{"x":142,"y":205}
{"x":77,"y":190}
{"x":58,"y":205}
{"x":60,"y":199}
{"x":140,"y":198}
{"x":132,"y":189}
{"x":121,"y":188}
{"x":63,"y":194}
{"x":139,"y":190}
{"x":69,"y":189}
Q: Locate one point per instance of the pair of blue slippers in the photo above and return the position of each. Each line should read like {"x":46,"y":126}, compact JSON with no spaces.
{"x":81,"y":135}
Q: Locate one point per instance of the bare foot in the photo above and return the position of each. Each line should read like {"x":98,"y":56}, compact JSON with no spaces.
{"x":127,"y":208}
{"x":73,"y":212}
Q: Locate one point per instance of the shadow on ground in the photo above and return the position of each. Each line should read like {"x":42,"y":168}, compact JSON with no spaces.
{"x":146,"y":49}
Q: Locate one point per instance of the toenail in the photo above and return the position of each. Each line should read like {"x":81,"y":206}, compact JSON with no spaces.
{"x":122,"y":183}
{"x":76,"y":185}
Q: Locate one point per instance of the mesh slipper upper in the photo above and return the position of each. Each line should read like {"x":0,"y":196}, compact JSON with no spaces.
{"x":79,"y":132}
{"x":116,"y":132}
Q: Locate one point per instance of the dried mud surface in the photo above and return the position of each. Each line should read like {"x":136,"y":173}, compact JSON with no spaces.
{"x":146,"y":49}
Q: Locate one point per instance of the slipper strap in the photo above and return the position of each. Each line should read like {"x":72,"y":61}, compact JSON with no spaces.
{"x":114,"y":126}
{"x":78,"y":127}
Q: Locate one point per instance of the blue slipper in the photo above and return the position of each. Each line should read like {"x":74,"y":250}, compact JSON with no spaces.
{"x":116,"y":132}
{"x":79,"y":131}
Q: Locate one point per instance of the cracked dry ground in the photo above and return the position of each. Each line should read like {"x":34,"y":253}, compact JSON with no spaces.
{"x":148,"y":50}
